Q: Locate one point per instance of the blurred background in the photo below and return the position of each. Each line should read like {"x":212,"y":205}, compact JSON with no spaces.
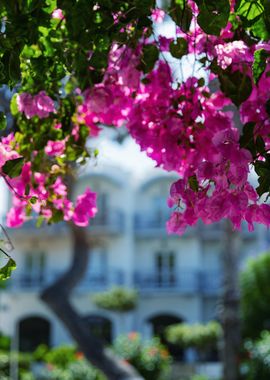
{"x":139,"y":281}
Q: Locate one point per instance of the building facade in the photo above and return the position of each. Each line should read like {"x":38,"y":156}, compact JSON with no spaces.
{"x":178,"y":279}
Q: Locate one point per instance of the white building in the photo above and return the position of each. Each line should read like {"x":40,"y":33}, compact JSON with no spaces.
{"x":178,"y":278}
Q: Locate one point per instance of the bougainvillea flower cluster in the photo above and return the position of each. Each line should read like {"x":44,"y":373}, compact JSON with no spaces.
{"x":185,"y":127}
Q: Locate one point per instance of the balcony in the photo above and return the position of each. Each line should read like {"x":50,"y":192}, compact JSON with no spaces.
{"x":20,"y":282}
{"x":112,"y":223}
{"x":45,"y":230}
{"x":101,"y":281}
{"x":215,"y":231}
{"x":185,"y":282}
{"x":90,"y":283}
{"x":153,"y":224}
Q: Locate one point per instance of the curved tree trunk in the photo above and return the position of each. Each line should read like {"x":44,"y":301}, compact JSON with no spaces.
{"x":57,"y":295}
{"x":230,"y":304}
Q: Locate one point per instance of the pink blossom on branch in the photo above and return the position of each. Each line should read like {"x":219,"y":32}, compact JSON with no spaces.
{"x":40,"y":105}
{"x":55,"y":148}
{"x":85,"y":208}
{"x":58,"y":14}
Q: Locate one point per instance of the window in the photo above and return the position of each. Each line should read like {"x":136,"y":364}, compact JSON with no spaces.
{"x":165,"y":268}
{"x":34,"y":268}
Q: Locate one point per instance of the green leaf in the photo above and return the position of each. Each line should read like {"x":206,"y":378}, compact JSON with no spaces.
{"x":193,"y":183}
{"x":13,"y":105}
{"x":247,"y":138}
{"x":181,"y":14}
{"x":264,"y":183}
{"x":236,"y":85}
{"x":201,"y":82}
{"x":149,"y":57}
{"x":260,"y":29}
{"x":179,"y":48}
{"x":213,"y":15}
{"x":5,"y":271}
{"x":249,"y":10}
{"x":3,"y":121}
{"x":259,"y":64}
{"x":13,"y":168}
{"x":260,"y":145}
{"x":40,"y":220}
{"x":14,"y":67}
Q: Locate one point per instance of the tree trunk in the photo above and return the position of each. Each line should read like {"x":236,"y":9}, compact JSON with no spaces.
{"x":230,"y":304}
{"x":57,"y":295}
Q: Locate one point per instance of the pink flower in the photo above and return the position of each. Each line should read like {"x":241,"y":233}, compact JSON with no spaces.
{"x":232,"y":52}
{"x":26,"y":104}
{"x":58,"y":13}
{"x":158,"y":15}
{"x":44,"y":104}
{"x":39,"y":105}
{"x":55,"y":148}
{"x":85,"y":208}
{"x":16,"y":215}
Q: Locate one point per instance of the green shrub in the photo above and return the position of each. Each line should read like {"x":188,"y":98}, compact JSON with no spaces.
{"x":4,"y":342}
{"x":194,"y":335}
{"x":79,"y":370}
{"x":257,"y":365}
{"x":24,"y":363}
{"x":61,"y":356}
{"x":116,"y":299}
{"x":255,"y":296}
{"x":40,"y":353}
{"x":150,"y":358}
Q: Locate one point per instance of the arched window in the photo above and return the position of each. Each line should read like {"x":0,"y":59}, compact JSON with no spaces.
{"x":159,"y":324}
{"x":33,"y":331}
{"x":100,"y":327}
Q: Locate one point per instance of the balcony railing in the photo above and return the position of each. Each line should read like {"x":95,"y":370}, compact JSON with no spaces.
{"x":95,"y":282}
{"x":110,"y":223}
{"x":183,"y":282}
{"x":215,"y":231}
{"x":45,"y":229}
{"x":149,"y":224}
{"x":101,"y":281}
{"x":113,"y":222}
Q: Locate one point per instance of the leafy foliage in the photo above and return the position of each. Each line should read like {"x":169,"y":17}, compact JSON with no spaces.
{"x":259,"y":65}
{"x":117,"y":299}
{"x":150,"y":358}
{"x":258,"y":364}
{"x":179,"y":48}
{"x":4,"y":342}
{"x":197,"y":336}
{"x":181,"y":13}
{"x":213,"y":15}
{"x":24,"y":363}
{"x":255,"y":293}
{"x":13,"y":168}
{"x":6,"y":270}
